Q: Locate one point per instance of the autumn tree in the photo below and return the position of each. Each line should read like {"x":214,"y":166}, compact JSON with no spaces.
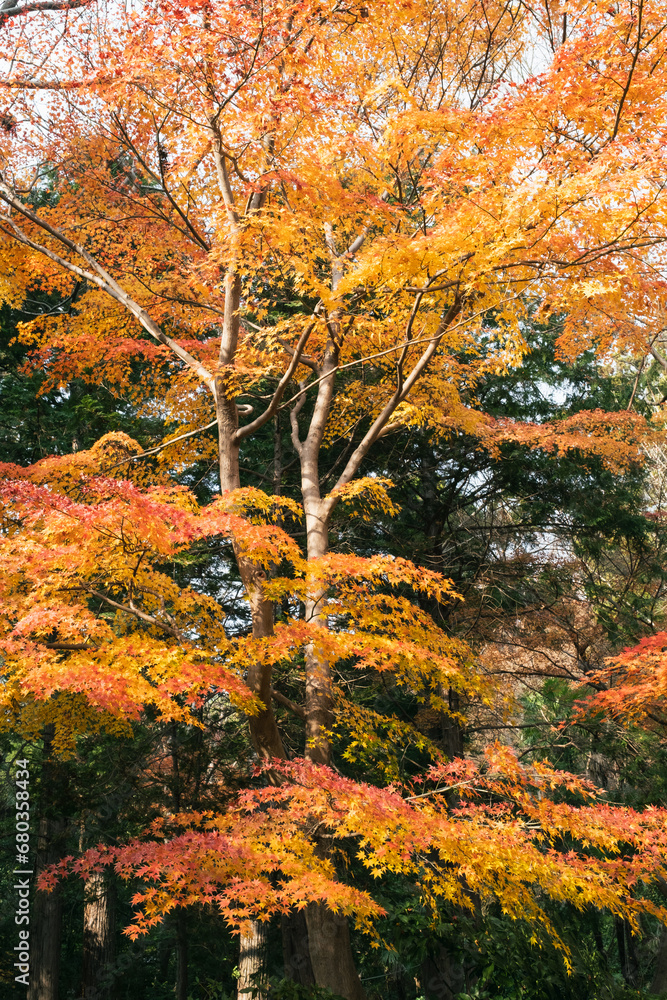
{"x":345,"y":212}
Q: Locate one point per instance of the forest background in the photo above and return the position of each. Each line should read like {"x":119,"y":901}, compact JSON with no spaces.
{"x":357,"y":685}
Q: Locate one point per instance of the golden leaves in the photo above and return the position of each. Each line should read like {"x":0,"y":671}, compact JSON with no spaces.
{"x":258,"y":858}
{"x":365,"y":497}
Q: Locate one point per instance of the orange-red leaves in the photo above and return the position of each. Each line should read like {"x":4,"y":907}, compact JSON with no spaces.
{"x":634,"y":683}
{"x":258,"y":859}
{"x":615,"y":438}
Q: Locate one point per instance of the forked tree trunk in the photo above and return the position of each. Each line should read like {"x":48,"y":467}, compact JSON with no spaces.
{"x":330,"y":953}
{"x":328,"y":936}
{"x":99,"y":927}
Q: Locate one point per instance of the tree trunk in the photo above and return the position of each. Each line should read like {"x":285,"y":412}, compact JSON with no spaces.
{"x":451,"y":729}
{"x":181,"y":989}
{"x":328,"y":938}
{"x":263,"y":726}
{"x":46,"y":918}
{"x":319,"y":690}
{"x":99,"y":924}
{"x":264,"y":730}
{"x":253,"y":947}
{"x":296,"y":953}
{"x":330,"y":950}
{"x":441,"y":976}
{"x":659,"y":982}
{"x":46,"y":915}
{"x":626,"y":951}
{"x":329,"y":945}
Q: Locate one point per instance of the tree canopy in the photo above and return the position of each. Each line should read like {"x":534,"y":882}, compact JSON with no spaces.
{"x":345,"y":324}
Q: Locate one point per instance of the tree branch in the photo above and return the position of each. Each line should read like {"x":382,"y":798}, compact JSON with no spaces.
{"x":286,"y":703}
{"x":223,"y":178}
{"x":131,"y":610}
{"x":12,"y":8}
{"x":305,"y":359}
{"x":98,"y":276}
{"x":160,"y":447}
{"x":69,"y":645}
{"x":658,"y":357}
{"x":631,"y":72}
{"x":294,"y":422}
{"x":254,"y":425}
{"x":402,"y":391}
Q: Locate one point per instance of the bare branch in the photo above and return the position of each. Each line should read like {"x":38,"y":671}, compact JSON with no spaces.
{"x":223,"y":178}
{"x":304,"y":360}
{"x":12,"y":8}
{"x":132,"y":610}
{"x":162,"y":181}
{"x":402,"y":391}
{"x":357,"y":243}
{"x":304,"y":387}
{"x":392,"y":428}
{"x":294,"y":419}
{"x":338,"y":260}
{"x":329,"y":240}
{"x":248,"y":429}
{"x":658,"y":357}
{"x":631,"y":72}
{"x":70,"y":645}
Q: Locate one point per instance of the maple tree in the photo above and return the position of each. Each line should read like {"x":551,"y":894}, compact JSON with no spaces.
{"x":34,"y":518}
{"x":49,"y":527}
{"x":346,"y":212}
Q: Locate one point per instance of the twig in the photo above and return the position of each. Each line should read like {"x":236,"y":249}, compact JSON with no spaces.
{"x":438,"y":791}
